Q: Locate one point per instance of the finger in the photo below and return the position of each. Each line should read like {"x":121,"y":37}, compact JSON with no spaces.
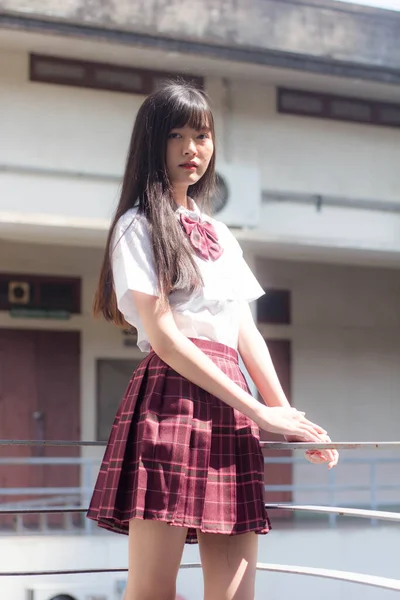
{"x":309,"y":430}
{"x":331,"y":454}
{"x":296,"y":414}
{"x":317,"y":427}
{"x":335,"y":459}
{"x":322,"y":461}
{"x":326,"y":455}
{"x":315,"y":458}
{"x":320,"y":429}
{"x":328,"y":451}
{"x":313,"y":453}
{"x":307,"y":433}
{"x":332,"y":458}
{"x":318,"y":456}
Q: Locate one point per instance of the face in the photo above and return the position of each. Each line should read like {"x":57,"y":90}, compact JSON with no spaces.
{"x":188,"y":154}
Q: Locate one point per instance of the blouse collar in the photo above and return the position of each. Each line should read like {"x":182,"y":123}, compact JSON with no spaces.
{"x":192,"y":209}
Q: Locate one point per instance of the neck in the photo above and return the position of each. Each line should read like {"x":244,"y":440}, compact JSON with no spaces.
{"x":180,"y":196}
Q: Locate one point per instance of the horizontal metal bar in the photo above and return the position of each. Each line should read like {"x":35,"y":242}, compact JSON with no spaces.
{"x":386,"y":486}
{"x":269,"y":488}
{"x":60,"y":173}
{"x":264,"y":445}
{"x":341,"y":511}
{"x":50,"y":443}
{"x":321,"y":487}
{"x":361,"y":513}
{"x":345,"y":460}
{"x":52,"y":500}
{"x":337,"y":445}
{"x":361,"y":578}
{"x":42,"y":511}
{"x":47,"y":460}
{"x":63,"y":572}
{"x":268,"y":460}
{"x":274,"y":197}
{"x":317,"y":486}
{"x":78,"y":460}
{"x":43,"y":491}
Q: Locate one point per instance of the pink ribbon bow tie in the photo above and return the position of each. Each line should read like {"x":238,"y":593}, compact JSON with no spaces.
{"x":202,"y":236}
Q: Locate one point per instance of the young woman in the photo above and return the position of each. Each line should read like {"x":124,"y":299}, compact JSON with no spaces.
{"x":183,"y":462}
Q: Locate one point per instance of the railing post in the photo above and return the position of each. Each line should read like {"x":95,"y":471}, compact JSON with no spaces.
{"x":87,"y":482}
{"x":332,"y":516}
{"x":19,"y":524}
{"x":373,"y":497}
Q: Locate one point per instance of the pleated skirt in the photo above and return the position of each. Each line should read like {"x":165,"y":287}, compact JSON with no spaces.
{"x":180,"y":455}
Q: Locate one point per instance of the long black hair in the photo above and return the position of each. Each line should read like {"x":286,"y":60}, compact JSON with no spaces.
{"x":146,"y":184}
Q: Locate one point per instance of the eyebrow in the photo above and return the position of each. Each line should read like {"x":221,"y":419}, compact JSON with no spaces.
{"x":206,"y":128}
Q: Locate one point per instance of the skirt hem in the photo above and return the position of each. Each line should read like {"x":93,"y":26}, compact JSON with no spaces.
{"x":113,"y":525}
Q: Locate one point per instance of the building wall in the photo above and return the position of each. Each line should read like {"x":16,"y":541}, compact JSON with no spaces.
{"x":98,"y":338}
{"x":304,"y":155}
{"x":60,"y":128}
{"x":345,"y":336}
{"x":345,"y":351}
{"x":345,"y":320}
{"x":312,"y":157}
{"x":84,"y":130}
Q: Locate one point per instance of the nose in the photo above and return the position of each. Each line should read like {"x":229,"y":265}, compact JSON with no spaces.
{"x":190,"y":148}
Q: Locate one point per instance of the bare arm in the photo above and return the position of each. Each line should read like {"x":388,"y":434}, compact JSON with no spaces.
{"x":189,"y":361}
{"x":257,"y":359}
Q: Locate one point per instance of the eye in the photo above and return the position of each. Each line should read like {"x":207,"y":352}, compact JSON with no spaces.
{"x":173,"y":135}
{"x":204,"y":136}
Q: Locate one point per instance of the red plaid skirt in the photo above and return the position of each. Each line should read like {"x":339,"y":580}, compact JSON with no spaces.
{"x":180,"y":455}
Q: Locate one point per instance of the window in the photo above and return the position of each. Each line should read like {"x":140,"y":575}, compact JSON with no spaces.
{"x":100,"y":76}
{"x":274,"y":308}
{"x":113,"y":376}
{"x":40,"y":293}
{"x":339,"y":108}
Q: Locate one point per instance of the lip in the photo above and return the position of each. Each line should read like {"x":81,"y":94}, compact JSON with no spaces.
{"x":189,"y":166}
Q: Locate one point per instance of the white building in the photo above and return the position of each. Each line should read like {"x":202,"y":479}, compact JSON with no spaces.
{"x":318,"y":218}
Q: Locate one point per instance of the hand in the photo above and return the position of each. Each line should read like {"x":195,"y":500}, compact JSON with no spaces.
{"x":319,"y":456}
{"x":288,"y":421}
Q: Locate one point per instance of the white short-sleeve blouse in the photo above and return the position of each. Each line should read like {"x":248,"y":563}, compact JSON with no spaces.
{"x":211,"y":313}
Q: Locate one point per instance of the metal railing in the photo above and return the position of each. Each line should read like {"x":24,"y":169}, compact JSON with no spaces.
{"x":369,"y":484}
{"x":76,"y":498}
{"x":360,"y":578}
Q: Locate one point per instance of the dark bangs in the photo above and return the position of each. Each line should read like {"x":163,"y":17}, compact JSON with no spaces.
{"x":191,"y":108}
{"x":174,"y":106}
